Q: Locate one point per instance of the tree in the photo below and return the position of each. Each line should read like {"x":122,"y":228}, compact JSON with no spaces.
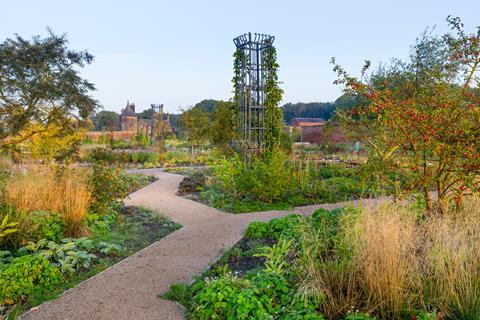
{"x":146,"y":114}
{"x":224,"y":126}
{"x":422,"y":116}
{"x":196,"y":125}
{"x":106,"y":120}
{"x":40,"y":87}
{"x":54,"y":144}
{"x":323,"y":110}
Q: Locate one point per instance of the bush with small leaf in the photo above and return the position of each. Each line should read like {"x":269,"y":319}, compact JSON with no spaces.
{"x":257,"y":230}
{"x":25,"y":276}
{"x":47,"y":225}
{"x":228,"y":297}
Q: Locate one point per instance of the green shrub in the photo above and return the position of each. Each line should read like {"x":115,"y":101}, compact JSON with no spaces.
{"x":25,"y":276}
{"x":228,"y":297}
{"x":285,"y":228}
{"x":48,"y":225}
{"x":143,"y":140}
{"x":266,"y":179}
{"x":257,"y":230}
{"x":274,"y":290}
{"x":333,"y":171}
{"x":106,"y":155}
{"x":121,"y":144}
{"x":327,"y":220}
{"x":100,"y":224}
{"x":108,"y":187}
{"x":274,"y":182}
{"x":143,"y":157}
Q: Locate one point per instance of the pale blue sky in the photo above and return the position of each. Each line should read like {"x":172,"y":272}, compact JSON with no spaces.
{"x":180,"y":52}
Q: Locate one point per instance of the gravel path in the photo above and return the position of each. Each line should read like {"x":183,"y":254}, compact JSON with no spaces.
{"x":130,"y":289}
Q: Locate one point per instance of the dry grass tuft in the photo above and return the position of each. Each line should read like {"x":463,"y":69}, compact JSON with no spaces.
{"x":41,"y":189}
{"x":390,"y":262}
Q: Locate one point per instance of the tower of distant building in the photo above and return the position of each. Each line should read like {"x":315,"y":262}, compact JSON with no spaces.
{"x":130,"y":125}
{"x":129,"y":121}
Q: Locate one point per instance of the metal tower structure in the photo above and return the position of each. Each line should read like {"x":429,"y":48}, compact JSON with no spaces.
{"x":251,"y":75}
{"x":155,"y":107}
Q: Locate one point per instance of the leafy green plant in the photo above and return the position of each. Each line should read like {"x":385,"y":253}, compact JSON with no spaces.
{"x":25,"y":276}
{"x":275,"y":182}
{"x":274,"y":290}
{"x":108,"y":187}
{"x":327,"y":221}
{"x":264,"y":179}
{"x":7,"y":227}
{"x":48,"y":225}
{"x":228,"y":297}
{"x":5,"y":257}
{"x":74,"y":260}
{"x":69,"y":256}
{"x":276,"y":256}
{"x":257,"y":230}
{"x":285,"y":228}
{"x":82,"y":243}
{"x":109,"y":248}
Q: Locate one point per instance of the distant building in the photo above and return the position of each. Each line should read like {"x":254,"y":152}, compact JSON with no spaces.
{"x":311,"y":130}
{"x":131,"y":125}
{"x":128,"y":118}
{"x":129,"y":121}
{"x":307,"y":122}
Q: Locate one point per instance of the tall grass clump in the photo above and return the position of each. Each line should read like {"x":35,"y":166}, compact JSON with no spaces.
{"x":454,"y":261}
{"x":390,"y":262}
{"x":66,"y":193}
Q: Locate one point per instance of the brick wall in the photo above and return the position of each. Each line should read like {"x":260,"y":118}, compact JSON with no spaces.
{"x":117,"y":135}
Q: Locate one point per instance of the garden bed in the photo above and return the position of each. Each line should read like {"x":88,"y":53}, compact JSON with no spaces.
{"x":132,"y":229}
{"x":61,"y":225}
{"x":345,"y":264}
{"x":234,"y":189}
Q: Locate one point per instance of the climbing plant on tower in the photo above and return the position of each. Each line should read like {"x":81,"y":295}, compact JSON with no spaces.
{"x":257,"y":95}
{"x":273,"y":96}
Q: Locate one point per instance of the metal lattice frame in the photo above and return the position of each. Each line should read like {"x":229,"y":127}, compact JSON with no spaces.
{"x":251,"y":91}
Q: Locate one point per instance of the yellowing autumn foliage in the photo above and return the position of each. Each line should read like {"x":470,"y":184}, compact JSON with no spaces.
{"x":52,"y":143}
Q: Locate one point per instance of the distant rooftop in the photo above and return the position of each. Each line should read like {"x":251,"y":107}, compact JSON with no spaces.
{"x":306,"y":122}
{"x":129,"y":109}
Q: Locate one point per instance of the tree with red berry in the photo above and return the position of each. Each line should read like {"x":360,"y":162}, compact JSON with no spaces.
{"x":421,"y":118}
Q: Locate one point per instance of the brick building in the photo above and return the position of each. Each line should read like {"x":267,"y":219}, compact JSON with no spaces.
{"x":131,"y":125}
{"x":312,"y":130}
